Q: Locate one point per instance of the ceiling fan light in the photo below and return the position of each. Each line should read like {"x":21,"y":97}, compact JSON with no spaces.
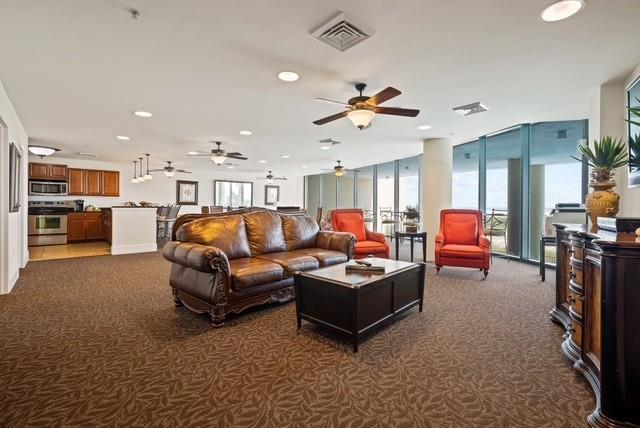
{"x":134,"y":180}
{"x":218,"y":159}
{"x":42,"y":151}
{"x":339,"y":173}
{"x":270,"y":180}
{"x":361,"y":118}
{"x":148,"y":177}
{"x":169,"y":174}
{"x":561,"y":10}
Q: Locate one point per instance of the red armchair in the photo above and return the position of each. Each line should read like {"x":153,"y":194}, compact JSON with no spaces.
{"x":461,"y":241}
{"x":367,"y":242}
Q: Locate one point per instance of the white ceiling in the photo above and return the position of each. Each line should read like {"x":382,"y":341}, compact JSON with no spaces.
{"x":75,"y":70}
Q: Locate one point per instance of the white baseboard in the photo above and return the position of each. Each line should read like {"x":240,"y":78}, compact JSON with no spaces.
{"x":134,"y":248}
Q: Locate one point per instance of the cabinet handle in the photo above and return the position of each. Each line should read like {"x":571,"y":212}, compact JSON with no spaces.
{"x":571,"y":300}
{"x":571,"y":276}
{"x":572,"y":252}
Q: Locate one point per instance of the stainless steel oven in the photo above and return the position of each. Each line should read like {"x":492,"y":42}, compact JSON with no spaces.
{"x":48,"y":222}
{"x":47,"y":188}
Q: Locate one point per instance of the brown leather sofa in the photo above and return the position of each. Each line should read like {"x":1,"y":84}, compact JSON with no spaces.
{"x":225,"y":263}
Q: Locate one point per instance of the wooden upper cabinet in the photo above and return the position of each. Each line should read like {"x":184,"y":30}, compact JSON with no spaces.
{"x":46,"y":171}
{"x":77,"y":181}
{"x":110,"y":183}
{"x":93,"y":182}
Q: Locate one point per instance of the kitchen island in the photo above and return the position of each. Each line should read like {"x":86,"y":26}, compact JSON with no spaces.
{"x":133,"y":230}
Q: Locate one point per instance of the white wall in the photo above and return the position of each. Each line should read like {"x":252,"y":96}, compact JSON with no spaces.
{"x":163,"y":190}
{"x":13,"y":226}
{"x":607,"y":110}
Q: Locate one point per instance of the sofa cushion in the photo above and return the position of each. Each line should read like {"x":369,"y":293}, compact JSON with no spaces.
{"x":264,"y":230}
{"x":353,"y":225}
{"x":462,"y":251}
{"x":462,"y":233}
{"x":251,"y":272}
{"x":325,"y":257}
{"x":291,"y":261}
{"x":224,"y":232}
{"x":299,"y":231}
{"x":365,"y":247}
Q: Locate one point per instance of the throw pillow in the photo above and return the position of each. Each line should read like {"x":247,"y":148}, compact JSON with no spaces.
{"x":462,"y":233}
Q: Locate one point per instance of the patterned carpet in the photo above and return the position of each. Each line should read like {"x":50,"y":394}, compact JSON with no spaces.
{"x":97,"y":341}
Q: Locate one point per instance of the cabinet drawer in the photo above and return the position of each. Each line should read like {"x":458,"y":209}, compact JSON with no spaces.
{"x":575,"y":276}
{"x":576,"y":303}
{"x":576,"y":332}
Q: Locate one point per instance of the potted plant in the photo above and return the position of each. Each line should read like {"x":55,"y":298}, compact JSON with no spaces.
{"x":607,"y":155}
{"x":411,"y":219}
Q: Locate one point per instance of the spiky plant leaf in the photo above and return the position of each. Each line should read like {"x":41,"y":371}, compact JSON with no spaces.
{"x":634,"y":152}
{"x":606,"y":155}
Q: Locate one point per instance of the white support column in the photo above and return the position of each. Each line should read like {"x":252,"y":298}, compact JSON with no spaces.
{"x":437,"y":170}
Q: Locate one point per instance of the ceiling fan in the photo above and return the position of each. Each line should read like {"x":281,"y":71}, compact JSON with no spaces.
{"x":339,"y":170}
{"x":271,"y":178}
{"x":362,"y":109}
{"x":170,"y":170}
{"x":218,"y":155}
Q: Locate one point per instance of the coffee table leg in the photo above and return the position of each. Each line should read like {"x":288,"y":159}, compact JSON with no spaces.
{"x":355,"y":343}
{"x":424,"y":248}
{"x":397,"y":246}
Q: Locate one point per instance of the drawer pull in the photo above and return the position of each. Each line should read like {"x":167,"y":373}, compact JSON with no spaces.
{"x":572,"y":275}
{"x":571,"y":300}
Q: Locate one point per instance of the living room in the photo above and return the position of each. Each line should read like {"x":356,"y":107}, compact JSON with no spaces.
{"x":319,"y":213}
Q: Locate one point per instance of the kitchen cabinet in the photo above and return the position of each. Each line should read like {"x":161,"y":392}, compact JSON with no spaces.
{"x":47,"y":171}
{"x":76,"y":185}
{"x":106,"y":225}
{"x":86,"y":226}
{"x":110,"y":183}
{"x":93,"y":182}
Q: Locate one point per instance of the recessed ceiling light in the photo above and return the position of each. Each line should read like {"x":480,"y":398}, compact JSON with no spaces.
{"x":262,"y":161}
{"x":230,"y":166}
{"x":561,"y":10}
{"x":285,"y":156}
{"x":288,"y":76}
{"x":246,"y":132}
{"x":325,"y":147}
{"x":140,"y":113}
{"x":424,"y":127}
{"x":122,"y":138}
{"x":303,"y":166}
{"x":193,"y":153}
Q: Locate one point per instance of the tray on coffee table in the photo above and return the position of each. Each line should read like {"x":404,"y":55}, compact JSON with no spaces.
{"x":353,"y":303}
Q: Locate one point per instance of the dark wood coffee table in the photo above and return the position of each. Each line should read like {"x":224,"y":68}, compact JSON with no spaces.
{"x":355,"y":303}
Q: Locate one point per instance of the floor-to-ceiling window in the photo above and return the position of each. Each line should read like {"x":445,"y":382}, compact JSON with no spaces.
{"x":387,"y":216}
{"x":504,"y":191}
{"x":554,"y":177}
{"x":466,"y":177}
{"x":313,"y":194}
{"x":409,"y":183}
{"x":364,"y":191}
{"x":346,"y":185}
{"x":328,"y":192}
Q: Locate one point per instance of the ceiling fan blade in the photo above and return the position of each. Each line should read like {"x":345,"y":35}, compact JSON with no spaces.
{"x":330,"y":118}
{"x":384,"y":95}
{"x":326,"y":100}
{"x":280,"y":178}
{"x":234,"y":154}
{"x":199,"y":154}
{"x":229,"y":155}
{"x":156,"y":170}
{"x":397,"y":111}
{"x":183,"y":171}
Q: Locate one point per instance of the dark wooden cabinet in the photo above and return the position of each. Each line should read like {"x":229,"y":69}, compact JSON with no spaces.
{"x":106,"y":225}
{"x":93,"y":182}
{"x":74,"y":227}
{"x":46,"y":171}
{"x":110,"y":183}
{"x":76,"y":184}
{"x":597,"y":295}
{"x":86,"y":226}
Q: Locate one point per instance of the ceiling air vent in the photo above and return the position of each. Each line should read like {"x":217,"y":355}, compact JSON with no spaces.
{"x":469,"y":109}
{"x":342,"y":32}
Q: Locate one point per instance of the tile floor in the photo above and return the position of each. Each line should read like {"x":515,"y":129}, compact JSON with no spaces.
{"x":67,"y":251}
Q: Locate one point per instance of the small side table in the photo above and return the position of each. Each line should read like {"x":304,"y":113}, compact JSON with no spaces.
{"x":412,"y":236}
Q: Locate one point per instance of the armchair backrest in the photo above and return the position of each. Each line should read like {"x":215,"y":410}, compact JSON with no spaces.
{"x":461,"y":227}
{"x":349,"y":220}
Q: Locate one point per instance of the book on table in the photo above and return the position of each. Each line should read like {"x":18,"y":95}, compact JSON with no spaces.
{"x":361,"y":268}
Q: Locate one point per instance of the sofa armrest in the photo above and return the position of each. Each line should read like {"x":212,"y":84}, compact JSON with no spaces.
{"x":484,"y":242}
{"x":344,"y":242}
{"x":376,"y":236}
{"x":439,"y":239}
{"x":202,"y":258}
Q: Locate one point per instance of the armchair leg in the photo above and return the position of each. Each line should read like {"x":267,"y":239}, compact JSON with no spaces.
{"x":438,"y":269}
{"x":486,"y":272}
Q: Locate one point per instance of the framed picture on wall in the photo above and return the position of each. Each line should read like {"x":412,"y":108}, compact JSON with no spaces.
{"x":15,"y":169}
{"x":271,"y":194}
{"x":633,"y":101}
{"x":186,"y":192}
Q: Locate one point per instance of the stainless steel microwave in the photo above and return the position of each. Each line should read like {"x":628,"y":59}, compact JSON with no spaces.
{"x":47,"y":188}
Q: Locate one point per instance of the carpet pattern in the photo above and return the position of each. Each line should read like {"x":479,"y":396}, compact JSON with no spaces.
{"x":97,"y":342}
